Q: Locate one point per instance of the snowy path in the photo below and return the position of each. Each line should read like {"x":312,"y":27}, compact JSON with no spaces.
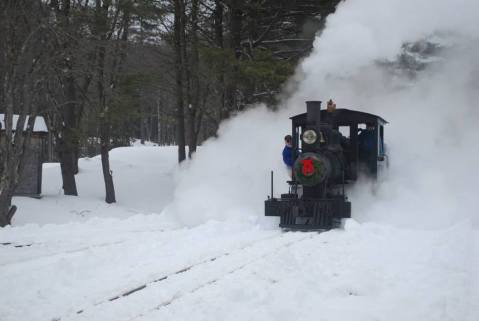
{"x":170,"y":288}
{"x":102,"y":268}
{"x":138,"y":269}
{"x":372,"y":273}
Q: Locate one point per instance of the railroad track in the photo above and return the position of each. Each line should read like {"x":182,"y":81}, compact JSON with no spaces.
{"x":226,"y":263}
{"x":69,"y":251}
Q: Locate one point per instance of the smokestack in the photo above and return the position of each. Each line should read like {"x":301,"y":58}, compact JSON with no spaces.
{"x":313,"y":109}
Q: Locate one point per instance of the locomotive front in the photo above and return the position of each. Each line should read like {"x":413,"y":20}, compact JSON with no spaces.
{"x":319,"y":154}
{"x":316,"y":198}
{"x":324,"y":161}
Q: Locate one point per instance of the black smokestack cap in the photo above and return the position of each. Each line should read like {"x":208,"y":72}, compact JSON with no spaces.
{"x":313,"y":109}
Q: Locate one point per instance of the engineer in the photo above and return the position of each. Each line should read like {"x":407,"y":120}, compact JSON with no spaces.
{"x":288,"y":151}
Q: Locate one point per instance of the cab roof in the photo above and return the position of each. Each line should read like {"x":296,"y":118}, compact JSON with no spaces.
{"x":344,"y":117}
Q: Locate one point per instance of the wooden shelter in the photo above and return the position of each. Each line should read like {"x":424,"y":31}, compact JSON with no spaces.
{"x":30,"y":183}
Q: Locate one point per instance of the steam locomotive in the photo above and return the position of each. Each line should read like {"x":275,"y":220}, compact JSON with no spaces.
{"x":330,"y":148}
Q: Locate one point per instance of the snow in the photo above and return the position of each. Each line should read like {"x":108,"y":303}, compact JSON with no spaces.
{"x":144,"y":181}
{"x":39,"y":126}
{"x":230,"y":270}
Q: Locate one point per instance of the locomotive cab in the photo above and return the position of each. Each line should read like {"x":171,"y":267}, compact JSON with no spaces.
{"x":331,"y":148}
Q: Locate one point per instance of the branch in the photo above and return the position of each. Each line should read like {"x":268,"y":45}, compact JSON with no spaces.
{"x":288,"y":40}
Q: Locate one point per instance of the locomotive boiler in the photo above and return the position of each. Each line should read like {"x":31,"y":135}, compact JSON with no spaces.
{"x":330,"y":148}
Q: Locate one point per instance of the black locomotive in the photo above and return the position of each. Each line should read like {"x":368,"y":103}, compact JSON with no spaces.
{"x":329,"y":148}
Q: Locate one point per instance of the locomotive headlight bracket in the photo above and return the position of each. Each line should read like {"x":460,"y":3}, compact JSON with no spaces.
{"x":310,"y":136}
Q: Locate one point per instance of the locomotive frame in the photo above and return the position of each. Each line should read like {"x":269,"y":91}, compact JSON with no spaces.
{"x":323,"y":203}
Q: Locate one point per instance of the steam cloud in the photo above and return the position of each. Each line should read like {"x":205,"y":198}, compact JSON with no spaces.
{"x":432,"y":138}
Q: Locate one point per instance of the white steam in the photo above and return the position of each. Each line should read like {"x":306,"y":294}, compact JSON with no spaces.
{"x":432,"y":136}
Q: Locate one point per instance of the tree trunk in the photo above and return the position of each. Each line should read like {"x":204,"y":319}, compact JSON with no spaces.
{"x":101,"y":24}
{"x":67,"y":168}
{"x":180,"y":116}
{"x":218,"y":22}
{"x":195,"y":60}
{"x":105,"y":164}
{"x":7,"y":151}
{"x":218,"y":26}
{"x":76,"y":156}
{"x":105,"y":146}
{"x":142,"y":129}
{"x":67,"y":143}
{"x":236,"y":23}
{"x":6,"y":212}
{"x":17,"y":65}
{"x":70,"y":146}
{"x":70,"y":120}
{"x":7,"y":186}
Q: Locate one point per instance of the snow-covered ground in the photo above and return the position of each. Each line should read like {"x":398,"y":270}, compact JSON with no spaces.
{"x":230,"y":270}
{"x":143,"y":179}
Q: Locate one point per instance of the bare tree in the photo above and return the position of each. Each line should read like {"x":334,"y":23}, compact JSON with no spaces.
{"x":112,"y":23}
{"x":25,"y":55}
{"x":179,"y":34}
{"x":69,"y":82}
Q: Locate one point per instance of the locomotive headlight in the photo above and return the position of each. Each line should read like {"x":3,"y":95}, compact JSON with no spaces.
{"x":310,"y":137}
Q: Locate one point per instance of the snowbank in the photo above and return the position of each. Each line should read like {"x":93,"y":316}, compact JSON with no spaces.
{"x":144,"y":184}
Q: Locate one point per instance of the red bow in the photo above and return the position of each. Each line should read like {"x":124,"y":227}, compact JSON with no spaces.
{"x":307,"y":167}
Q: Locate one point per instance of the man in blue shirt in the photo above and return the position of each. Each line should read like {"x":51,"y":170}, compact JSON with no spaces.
{"x":366,"y":139}
{"x":288,"y":151}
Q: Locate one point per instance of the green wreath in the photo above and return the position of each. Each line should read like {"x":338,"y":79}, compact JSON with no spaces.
{"x":313,"y":175}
